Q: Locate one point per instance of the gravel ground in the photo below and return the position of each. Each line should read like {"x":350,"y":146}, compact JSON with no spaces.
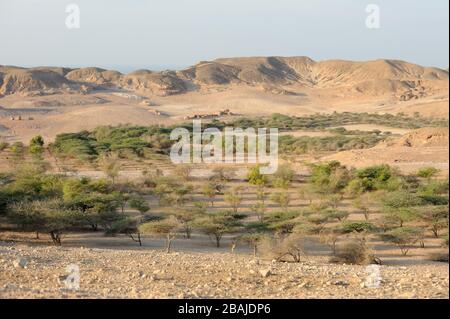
{"x":40,"y":272}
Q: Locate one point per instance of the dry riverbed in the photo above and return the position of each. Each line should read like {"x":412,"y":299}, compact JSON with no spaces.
{"x":39,"y":272}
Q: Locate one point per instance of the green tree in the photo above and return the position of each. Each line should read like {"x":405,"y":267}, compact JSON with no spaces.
{"x":255,"y":177}
{"x":140,"y":204}
{"x":127,"y":226}
{"x":110,"y":166}
{"x":283,"y":177}
{"x":186,"y":217}
{"x":399,"y":206}
{"x":234,"y":198}
{"x":282,"y":199}
{"x":166,"y":227}
{"x":436,"y":218}
{"x":49,"y":216}
{"x":218,"y":224}
{"x":403,"y":237}
{"x":209,"y":191}
{"x":331,"y":177}
{"x":37,"y":146}
{"x":181,"y":193}
{"x":364,"y":204}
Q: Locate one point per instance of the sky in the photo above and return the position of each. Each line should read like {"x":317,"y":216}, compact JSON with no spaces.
{"x":174,"y":34}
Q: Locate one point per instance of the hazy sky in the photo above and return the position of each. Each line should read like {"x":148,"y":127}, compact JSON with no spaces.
{"x":158,"y":34}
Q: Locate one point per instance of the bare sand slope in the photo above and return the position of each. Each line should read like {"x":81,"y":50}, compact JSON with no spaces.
{"x":60,"y":113}
{"x":419,"y":148}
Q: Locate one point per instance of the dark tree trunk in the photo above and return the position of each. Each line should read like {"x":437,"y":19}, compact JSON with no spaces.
{"x":218,"y":237}
{"x":188,"y":232}
{"x":56,"y":237}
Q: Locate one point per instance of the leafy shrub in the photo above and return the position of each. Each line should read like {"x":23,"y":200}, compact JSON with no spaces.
{"x":359,"y":227}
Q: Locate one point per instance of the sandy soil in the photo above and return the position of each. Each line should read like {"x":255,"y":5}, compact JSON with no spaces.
{"x":43,"y":115}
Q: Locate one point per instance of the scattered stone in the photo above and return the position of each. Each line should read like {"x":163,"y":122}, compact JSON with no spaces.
{"x":265,"y":272}
{"x":20,"y":263}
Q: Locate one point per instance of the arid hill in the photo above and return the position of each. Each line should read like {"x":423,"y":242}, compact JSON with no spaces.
{"x":424,"y":137}
{"x":418,"y":148}
{"x":54,"y":100}
{"x":380,"y":77}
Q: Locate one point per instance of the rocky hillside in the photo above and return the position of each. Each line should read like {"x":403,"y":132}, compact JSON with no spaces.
{"x":376,"y":78}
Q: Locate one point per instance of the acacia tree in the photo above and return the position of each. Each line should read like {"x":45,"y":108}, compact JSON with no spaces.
{"x":181,"y":193}
{"x":129,"y":227}
{"x":363,"y":203}
{"x":167,"y":227}
{"x":254,"y":240}
{"x":399,"y":206}
{"x":283,"y":177}
{"x":403,"y":237}
{"x":305,"y":193}
{"x":255,"y":177}
{"x":49,"y":216}
{"x":218,"y":224}
{"x":234,"y":198}
{"x":282,"y":199}
{"x":256,"y":233}
{"x":210,"y":192}
{"x":96,"y":199}
{"x":436,"y":218}
{"x":140,"y":204}
{"x":110,"y":166}
{"x":186,"y":217}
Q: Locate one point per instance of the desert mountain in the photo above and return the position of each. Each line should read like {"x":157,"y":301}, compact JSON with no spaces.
{"x":278,"y":75}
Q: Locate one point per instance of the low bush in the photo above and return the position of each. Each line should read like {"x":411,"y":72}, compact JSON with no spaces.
{"x":352,"y":252}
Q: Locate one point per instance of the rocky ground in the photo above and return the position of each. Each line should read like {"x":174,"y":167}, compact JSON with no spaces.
{"x":41,"y":272}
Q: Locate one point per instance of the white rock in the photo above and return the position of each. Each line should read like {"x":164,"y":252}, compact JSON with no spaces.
{"x":265,"y":272}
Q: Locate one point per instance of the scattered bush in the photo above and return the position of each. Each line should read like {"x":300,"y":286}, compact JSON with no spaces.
{"x":352,"y":252}
{"x":288,"y":249}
